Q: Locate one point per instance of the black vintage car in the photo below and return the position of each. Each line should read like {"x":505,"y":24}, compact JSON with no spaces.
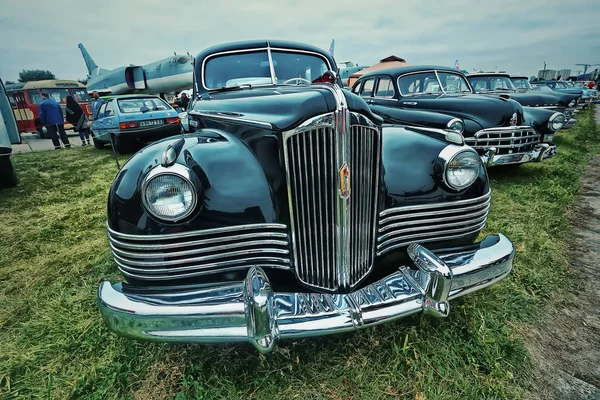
{"x":502,"y":85}
{"x":291,"y":212}
{"x":501,"y":130}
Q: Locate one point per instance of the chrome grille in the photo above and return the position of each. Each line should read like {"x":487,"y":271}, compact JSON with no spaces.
{"x":196,"y":253}
{"x":507,"y":140}
{"x":401,"y":226}
{"x":333,"y":235}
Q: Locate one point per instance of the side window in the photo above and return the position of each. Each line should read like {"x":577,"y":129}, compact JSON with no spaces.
{"x":385,"y":88}
{"x":110,"y":111}
{"x":356,"y":88}
{"x":367,"y":88}
{"x":101,"y":111}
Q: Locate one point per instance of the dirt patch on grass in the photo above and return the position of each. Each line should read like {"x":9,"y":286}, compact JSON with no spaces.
{"x":162,"y":382}
{"x":566,"y":348}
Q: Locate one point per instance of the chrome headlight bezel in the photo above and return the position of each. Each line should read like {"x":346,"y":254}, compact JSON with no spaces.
{"x":179,"y":171}
{"x":556,"y":122}
{"x":448,"y":155}
{"x":456,"y":125}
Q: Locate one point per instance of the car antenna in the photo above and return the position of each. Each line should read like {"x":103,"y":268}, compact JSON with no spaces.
{"x":112,"y":145}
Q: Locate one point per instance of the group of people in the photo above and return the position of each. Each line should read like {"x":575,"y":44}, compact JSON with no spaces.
{"x":53,"y":122}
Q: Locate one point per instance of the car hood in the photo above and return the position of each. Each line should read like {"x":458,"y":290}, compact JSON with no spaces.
{"x":283,"y":107}
{"x":533,"y":99}
{"x":489,"y":111}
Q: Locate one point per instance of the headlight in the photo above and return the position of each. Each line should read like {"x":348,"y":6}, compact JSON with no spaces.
{"x":556,"y":122}
{"x":573,"y":103}
{"x":456,"y":125}
{"x":461,"y":167}
{"x":168,"y":193}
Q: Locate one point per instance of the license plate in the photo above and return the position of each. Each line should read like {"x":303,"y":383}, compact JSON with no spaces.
{"x":152,"y":122}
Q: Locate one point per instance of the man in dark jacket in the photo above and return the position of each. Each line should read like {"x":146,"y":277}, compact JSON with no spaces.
{"x":53,"y":120}
{"x":185,"y":101}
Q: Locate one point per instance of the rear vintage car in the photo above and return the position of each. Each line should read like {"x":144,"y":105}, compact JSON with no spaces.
{"x":500,"y":129}
{"x":292,"y":212}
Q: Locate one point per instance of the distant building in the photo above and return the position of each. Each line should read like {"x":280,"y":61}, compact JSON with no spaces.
{"x":563,"y":73}
{"x":547,"y":74}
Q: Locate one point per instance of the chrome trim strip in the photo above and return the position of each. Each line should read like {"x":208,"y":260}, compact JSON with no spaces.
{"x":192,"y":243}
{"x":462,"y":217}
{"x":436,"y":205}
{"x":205,"y":232}
{"x":198,"y":273}
{"x":215,"y":267}
{"x":264,"y":244}
{"x":385,"y":238}
{"x":231,"y":119}
{"x":392,"y":244}
{"x":198,"y":259}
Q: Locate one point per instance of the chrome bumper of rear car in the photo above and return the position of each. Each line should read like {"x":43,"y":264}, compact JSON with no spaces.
{"x":250,"y":311}
{"x":539,"y":153}
{"x":572,"y":121}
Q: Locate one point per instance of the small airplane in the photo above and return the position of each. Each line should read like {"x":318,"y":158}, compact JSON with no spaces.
{"x":168,"y":76}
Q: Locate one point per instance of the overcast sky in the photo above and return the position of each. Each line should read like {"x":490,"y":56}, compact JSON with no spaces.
{"x":512,"y":35}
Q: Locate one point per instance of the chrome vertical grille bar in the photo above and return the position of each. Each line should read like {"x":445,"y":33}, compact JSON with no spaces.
{"x":333,"y":229}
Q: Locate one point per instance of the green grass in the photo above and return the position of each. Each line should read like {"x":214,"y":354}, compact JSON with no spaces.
{"x":54,"y":253}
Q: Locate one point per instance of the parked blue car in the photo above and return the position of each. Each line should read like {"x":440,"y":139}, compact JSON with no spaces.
{"x":133,"y":119}
{"x":560,"y":86}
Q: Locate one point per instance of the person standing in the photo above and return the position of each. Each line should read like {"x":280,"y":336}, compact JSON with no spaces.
{"x":96,"y":103}
{"x":52,"y":118}
{"x":78,"y":119}
{"x":185,"y":101}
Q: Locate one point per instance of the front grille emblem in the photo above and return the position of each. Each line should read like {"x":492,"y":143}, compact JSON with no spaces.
{"x":344,"y":181}
{"x":513,"y":120}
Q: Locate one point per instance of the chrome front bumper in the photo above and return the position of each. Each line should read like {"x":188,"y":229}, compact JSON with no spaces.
{"x":539,"y":153}
{"x":250,"y":311}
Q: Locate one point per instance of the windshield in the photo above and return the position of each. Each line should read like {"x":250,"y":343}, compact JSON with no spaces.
{"x":139,"y":105}
{"x":80,"y":95}
{"x":453,"y":83}
{"x":560,"y":85}
{"x":491,"y":83}
{"x":59,"y":95}
{"x":254,"y":68}
{"x":428,"y":83}
{"x":521,"y":83}
{"x":542,"y":88}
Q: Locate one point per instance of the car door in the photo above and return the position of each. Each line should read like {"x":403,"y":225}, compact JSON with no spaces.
{"x":97,"y":125}
{"x":111,"y":121}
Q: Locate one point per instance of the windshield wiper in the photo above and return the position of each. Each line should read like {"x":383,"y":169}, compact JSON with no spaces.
{"x":231,"y":88}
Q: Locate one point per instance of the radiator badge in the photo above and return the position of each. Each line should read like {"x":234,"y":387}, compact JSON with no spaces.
{"x":513,"y":120}
{"x":344,"y":181}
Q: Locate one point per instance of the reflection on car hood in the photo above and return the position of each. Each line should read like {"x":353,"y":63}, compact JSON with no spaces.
{"x":489,"y":111}
{"x":284,"y":107}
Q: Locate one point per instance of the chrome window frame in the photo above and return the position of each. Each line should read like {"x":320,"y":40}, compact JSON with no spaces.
{"x":435,"y":72}
{"x":391,"y":78}
{"x":269,"y":49}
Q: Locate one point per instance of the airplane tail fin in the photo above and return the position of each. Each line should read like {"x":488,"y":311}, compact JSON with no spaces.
{"x":89,"y":62}
{"x":332,"y":48}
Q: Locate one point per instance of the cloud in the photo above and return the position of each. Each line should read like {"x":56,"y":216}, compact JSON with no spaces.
{"x":512,"y":35}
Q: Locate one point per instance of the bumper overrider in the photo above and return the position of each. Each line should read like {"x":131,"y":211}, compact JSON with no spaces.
{"x":539,"y":153}
{"x":250,"y":311}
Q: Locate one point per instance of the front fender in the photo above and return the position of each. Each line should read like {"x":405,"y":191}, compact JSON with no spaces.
{"x":411,"y":170}
{"x":538,"y":118}
{"x":228,"y":176}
